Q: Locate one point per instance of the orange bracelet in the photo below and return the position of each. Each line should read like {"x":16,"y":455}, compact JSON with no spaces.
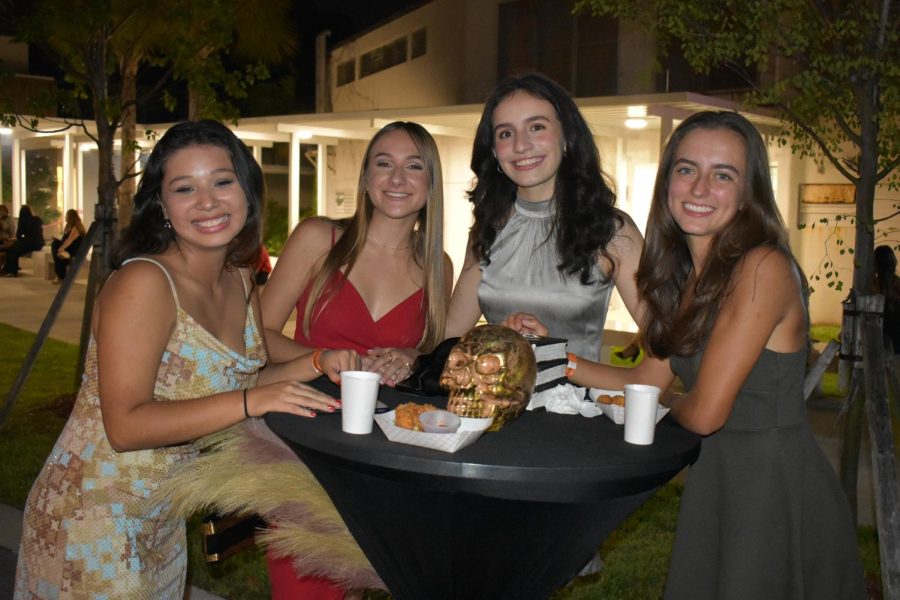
{"x":571,"y":365}
{"x":315,"y":362}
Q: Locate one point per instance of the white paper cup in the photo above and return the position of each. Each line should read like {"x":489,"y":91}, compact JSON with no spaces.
{"x":640,"y":413}
{"x":359,"y":392}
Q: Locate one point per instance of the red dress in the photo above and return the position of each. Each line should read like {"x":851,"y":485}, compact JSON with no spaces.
{"x":343,"y":320}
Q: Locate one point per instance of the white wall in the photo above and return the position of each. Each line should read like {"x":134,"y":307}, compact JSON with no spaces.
{"x":434,"y":79}
{"x":813,"y":246}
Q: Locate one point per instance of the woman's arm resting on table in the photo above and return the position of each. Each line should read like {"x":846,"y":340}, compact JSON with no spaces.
{"x":129,"y":353}
{"x":301,"y":256}
{"x":651,"y":371}
{"x":308,"y":366}
{"x":765,"y":310}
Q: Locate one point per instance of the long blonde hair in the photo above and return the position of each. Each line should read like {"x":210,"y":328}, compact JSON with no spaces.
{"x":426,"y":239}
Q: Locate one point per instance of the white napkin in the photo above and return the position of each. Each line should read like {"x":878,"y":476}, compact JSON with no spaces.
{"x":565,"y":399}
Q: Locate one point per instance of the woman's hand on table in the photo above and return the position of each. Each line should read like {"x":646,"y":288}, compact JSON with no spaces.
{"x":288,"y":397}
{"x":394,"y":364}
{"x":526,"y":324}
{"x":333,"y":362}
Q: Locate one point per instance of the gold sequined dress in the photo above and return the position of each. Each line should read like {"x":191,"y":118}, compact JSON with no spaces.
{"x":88,"y":530}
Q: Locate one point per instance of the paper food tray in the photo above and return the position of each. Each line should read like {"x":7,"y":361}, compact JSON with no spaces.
{"x":615,"y":412}
{"x":469,"y":431}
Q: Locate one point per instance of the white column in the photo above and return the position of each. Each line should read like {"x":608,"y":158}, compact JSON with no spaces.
{"x":294,"y":182}
{"x":68,"y":148}
{"x":18,"y":176}
{"x":322,"y":179}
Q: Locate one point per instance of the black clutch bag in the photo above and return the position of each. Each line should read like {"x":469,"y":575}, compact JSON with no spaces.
{"x":228,"y":534}
{"x":425,"y":379}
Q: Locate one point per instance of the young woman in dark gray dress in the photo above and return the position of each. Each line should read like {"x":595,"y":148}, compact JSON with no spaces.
{"x":762,"y":515}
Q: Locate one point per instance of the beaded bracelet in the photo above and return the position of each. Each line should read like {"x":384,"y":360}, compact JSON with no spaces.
{"x":315,"y":361}
{"x":246,"y":412}
{"x":571,"y":365}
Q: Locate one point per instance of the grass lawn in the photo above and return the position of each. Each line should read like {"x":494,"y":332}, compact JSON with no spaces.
{"x":636,"y":554}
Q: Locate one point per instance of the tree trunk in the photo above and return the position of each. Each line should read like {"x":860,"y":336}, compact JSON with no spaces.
{"x":194,"y":102}
{"x":127,"y":164}
{"x":105,"y":217}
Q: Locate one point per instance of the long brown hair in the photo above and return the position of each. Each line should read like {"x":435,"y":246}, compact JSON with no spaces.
{"x":426,"y":239}
{"x":665,"y":266}
{"x":73,"y":221}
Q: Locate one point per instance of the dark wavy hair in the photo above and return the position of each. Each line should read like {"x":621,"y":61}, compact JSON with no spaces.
{"x":585,"y":219}
{"x":670,"y":328}
{"x":146,"y":233}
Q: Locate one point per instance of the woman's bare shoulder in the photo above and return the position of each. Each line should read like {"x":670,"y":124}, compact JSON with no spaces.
{"x":313,"y":233}
{"x":767,"y":262}
{"x":139,"y":285}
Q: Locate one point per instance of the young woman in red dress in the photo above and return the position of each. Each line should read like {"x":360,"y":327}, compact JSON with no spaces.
{"x":377,"y":283}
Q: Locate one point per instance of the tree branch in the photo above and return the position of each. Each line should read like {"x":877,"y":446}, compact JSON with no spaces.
{"x":819,"y":142}
{"x":887,"y":169}
{"x":163,"y":80}
{"x":890,"y":216}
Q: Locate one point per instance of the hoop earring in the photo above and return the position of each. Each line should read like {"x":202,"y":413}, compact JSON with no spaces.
{"x":499,"y":170}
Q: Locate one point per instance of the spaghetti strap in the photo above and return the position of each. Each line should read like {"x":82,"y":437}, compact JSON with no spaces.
{"x":245,"y":275}
{"x":169,"y":277}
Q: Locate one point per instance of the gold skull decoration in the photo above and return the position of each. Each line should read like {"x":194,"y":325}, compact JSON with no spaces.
{"x":490,"y":372}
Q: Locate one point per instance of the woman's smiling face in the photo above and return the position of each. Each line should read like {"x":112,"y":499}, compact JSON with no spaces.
{"x":397,"y":177}
{"x":528,"y":144}
{"x":707,"y":182}
{"x":202,"y":197}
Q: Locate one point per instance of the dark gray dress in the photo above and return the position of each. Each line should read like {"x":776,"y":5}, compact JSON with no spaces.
{"x":763,"y":515}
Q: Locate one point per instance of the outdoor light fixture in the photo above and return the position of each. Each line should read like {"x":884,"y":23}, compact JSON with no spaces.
{"x":304,"y":135}
{"x":636,"y":117}
{"x":5,"y":131}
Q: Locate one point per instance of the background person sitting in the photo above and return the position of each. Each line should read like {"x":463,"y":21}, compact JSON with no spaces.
{"x":29,"y":237}
{"x":7,"y":228}
{"x":263,"y":266}
{"x":63,"y":249}
{"x":887,"y":283}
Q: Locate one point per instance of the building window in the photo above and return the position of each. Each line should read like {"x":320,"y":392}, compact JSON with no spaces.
{"x":580,"y":52}
{"x":346,"y":72}
{"x":418,"y":43}
{"x":383,"y":58}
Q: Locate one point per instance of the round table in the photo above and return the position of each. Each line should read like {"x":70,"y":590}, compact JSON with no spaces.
{"x":514,"y":515}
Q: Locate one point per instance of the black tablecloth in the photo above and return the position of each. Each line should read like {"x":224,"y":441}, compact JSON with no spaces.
{"x":514,"y":515}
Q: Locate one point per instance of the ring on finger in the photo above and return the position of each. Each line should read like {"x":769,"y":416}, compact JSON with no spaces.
{"x":390,"y":357}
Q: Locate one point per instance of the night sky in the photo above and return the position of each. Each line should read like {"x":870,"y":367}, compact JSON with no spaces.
{"x":291,"y":87}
